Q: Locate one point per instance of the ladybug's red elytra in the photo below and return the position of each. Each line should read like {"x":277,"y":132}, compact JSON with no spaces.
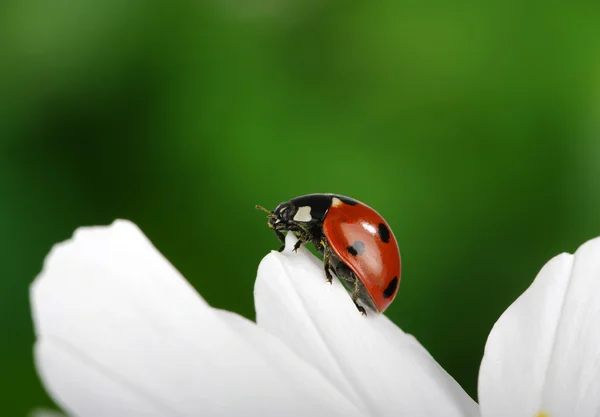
{"x":356,"y":243}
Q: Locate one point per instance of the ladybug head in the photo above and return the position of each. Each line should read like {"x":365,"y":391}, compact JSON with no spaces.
{"x":283,"y":213}
{"x":281,"y":216}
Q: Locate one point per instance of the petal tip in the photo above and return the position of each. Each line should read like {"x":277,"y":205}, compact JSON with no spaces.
{"x":82,"y":233}
{"x":290,"y":241}
{"x":118,"y":225}
{"x":591,"y":246}
{"x":81,"y":236}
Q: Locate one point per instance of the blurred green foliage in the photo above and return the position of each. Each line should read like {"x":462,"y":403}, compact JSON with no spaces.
{"x":472,"y":127}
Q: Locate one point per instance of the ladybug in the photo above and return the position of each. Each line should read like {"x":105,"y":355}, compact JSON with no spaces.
{"x":355,"y":241}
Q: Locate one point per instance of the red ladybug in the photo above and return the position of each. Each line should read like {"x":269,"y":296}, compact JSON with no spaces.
{"x":355,"y":241}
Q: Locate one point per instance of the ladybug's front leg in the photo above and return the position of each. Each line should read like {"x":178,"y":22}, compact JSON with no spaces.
{"x":303,"y":237}
{"x":297,"y":245}
{"x":281,"y":238}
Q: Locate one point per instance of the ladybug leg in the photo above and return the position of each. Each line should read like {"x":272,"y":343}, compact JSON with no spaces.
{"x":355,"y":297}
{"x":353,"y":285}
{"x":327,"y":267}
{"x":281,"y":238}
{"x":304,"y":236}
{"x":297,"y":245}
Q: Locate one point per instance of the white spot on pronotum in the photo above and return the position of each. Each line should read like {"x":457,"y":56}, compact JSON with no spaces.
{"x":303,"y":214}
{"x":336,"y":202}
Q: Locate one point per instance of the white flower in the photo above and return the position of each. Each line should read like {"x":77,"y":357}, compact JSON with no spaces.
{"x":542,"y":357}
{"x":121,"y":333}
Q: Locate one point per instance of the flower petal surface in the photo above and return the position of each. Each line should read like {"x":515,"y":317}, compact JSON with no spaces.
{"x":542,"y":358}
{"x":121,"y":333}
{"x":381,"y":369}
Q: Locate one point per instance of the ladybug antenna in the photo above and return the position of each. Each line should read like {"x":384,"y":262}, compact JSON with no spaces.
{"x":263,"y":209}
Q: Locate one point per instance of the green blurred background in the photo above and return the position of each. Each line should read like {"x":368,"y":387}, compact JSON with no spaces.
{"x":472,"y":128}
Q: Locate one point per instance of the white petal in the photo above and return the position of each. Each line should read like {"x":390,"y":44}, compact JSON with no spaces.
{"x":378,"y":367}
{"x":543,"y":354}
{"x":121,"y":333}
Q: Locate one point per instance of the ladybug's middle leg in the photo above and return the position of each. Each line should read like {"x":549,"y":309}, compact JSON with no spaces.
{"x":304,"y":236}
{"x":328,"y":258}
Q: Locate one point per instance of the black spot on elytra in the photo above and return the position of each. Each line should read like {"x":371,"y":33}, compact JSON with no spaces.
{"x":391,"y":288}
{"x":384,"y":233}
{"x":346,"y":200}
{"x":357,"y":248}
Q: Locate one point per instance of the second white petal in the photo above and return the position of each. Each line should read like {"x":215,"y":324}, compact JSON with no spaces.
{"x":543,"y":354}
